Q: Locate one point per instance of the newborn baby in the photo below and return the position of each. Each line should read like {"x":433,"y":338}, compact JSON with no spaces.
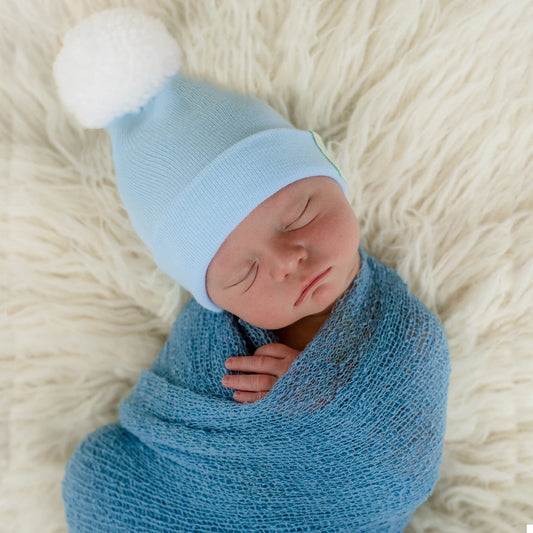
{"x":341,"y":375}
{"x":295,"y":255}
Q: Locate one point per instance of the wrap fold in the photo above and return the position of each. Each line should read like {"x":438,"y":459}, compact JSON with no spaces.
{"x":349,"y":439}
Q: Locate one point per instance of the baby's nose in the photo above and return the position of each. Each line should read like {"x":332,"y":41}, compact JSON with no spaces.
{"x":286,"y":259}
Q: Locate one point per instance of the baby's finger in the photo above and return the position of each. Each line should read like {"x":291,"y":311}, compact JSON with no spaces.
{"x":276,"y":349}
{"x":248,"y":397}
{"x":257,"y":364}
{"x":249,"y":382}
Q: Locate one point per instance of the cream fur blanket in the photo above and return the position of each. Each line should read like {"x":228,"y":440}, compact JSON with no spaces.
{"x":427,"y":107}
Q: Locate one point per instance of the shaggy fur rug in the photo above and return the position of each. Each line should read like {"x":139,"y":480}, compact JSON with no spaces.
{"x":427,"y":107}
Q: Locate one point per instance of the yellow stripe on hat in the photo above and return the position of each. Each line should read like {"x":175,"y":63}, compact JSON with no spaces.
{"x":320,"y":143}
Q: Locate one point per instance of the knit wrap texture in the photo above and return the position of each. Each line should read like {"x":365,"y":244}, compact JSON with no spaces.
{"x":349,"y":439}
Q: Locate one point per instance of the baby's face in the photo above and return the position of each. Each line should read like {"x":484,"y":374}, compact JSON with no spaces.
{"x":306,"y":229}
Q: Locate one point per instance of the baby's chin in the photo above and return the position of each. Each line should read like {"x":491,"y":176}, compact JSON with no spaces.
{"x":320,"y":313}
{"x":268,"y":322}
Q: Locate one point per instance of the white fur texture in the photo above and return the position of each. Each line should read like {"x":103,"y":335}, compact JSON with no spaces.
{"x":427,"y":108}
{"x":113,"y":63}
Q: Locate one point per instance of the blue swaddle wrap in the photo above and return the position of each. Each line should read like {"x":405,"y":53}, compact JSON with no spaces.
{"x":349,"y":439}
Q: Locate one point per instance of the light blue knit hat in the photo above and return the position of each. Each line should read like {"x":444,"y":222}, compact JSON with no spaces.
{"x":192,"y":159}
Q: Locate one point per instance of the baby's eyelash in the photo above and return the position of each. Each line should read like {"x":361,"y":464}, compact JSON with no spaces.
{"x":242,"y":279}
{"x":300,"y":215}
{"x":247,"y":275}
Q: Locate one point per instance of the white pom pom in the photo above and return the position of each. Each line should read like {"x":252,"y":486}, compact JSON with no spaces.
{"x":113,"y":63}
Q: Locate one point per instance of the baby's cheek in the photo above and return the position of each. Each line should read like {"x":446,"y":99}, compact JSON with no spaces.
{"x":259,"y":309}
{"x":346,"y":230}
{"x":333,"y":234}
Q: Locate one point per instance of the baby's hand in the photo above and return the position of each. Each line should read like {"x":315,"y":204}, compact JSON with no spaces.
{"x":264,"y":367}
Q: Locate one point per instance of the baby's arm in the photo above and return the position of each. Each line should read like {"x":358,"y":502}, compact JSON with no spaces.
{"x":264,"y":368}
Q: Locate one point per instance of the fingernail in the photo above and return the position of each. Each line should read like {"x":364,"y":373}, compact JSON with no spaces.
{"x":225,"y":380}
{"x":229,"y":363}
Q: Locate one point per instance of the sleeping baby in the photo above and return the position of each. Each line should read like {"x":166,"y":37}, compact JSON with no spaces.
{"x":303,"y":387}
